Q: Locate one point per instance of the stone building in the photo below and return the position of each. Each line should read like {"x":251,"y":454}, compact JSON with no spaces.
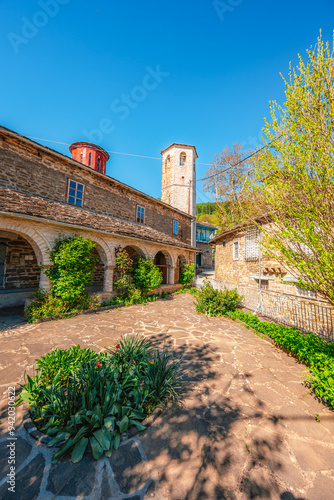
{"x":44,"y":194}
{"x":265,"y":284}
{"x":204,"y":233}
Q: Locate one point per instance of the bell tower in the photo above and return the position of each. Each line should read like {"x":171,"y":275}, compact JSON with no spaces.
{"x":178,"y":186}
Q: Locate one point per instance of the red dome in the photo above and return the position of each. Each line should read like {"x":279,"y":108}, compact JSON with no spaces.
{"x":91,"y":155}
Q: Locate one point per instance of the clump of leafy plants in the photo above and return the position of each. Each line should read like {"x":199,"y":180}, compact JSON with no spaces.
{"x":191,"y":290}
{"x":316,"y":353}
{"x":73,"y":263}
{"x":187,"y":275}
{"x":138,"y":277}
{"x":83,"y":399}
{"x":214,"y":302}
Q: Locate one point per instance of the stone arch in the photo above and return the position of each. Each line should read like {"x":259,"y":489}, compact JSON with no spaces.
{"x":181,"y":261}
{"x":105,"y":272}
{"x":103,"y":250}
{"x":38,"y":242}
{"x":134,"y":250}
{"x":163,"y":261}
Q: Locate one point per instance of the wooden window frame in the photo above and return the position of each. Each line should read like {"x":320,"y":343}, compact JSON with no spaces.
{"x":140,"y":206}
{"x":68,"y":190}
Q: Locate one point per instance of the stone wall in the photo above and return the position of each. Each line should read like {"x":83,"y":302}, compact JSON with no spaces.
{"x":30,"y":169}
{"x":21,"y":268}
{"x":206,"y":254}
{"x":245,"y":273}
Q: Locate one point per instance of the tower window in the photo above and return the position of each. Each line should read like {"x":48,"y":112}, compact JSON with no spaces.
{"x":183,"y":158}
{"x":140,"y":214}
{"x":81,"y":157}
{"x":75,"y":193}
{"x":175,"y":227}
{"x":90,"y":159}
{"x":98,"y":163}
{"x":236,"y":250}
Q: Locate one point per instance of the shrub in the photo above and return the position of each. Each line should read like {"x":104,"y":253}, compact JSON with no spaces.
{"x":72,"y":269}
{"x":138,"y":277}
{"x":146,"y":275}
{"x":45,"y":305}
{"x":187,"y":275}
{"x":59,"y":364}
{"x":82,"y":398}
{"x":214,"y":302}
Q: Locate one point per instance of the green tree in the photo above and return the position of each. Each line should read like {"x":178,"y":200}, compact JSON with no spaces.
{"x":295,"y":174}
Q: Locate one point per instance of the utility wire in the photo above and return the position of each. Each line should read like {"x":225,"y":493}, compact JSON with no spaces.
{"x":113,"y":152}
{"x":238,"y":163}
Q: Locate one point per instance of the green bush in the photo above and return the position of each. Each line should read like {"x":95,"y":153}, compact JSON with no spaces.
{"x":45,"y":305}
{"x":187,"y":275}
{"x":308,"y":347}
{"x":138,"y":277}
{"x":59,"y":364}
{"x":82,"y":398}
{"x":146,"y":275}
{"x":73,"y":263}
{"x":214,"y":302}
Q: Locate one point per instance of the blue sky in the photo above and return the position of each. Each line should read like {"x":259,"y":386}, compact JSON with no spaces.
{"x":195,"y":72}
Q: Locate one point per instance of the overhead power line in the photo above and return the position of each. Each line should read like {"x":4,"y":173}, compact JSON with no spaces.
{"x":113,"y":152}
{"x":238,"y":163}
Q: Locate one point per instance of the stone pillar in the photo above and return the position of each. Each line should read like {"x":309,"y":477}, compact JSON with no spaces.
{"x":108,"y":280}
{"x":171,"y":274}
{"x":44,"y":281}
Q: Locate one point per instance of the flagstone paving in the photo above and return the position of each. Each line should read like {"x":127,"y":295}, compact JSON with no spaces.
{"x":246,"y":427}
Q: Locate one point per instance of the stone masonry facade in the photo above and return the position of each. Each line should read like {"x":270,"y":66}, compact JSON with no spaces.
{"x":281,"y":298}
{"x":206,"y":254}
{"x":34,"y":212}
{"x":29,"y":168}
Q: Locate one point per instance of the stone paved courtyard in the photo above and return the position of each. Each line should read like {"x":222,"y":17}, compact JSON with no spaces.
{"x":246,"y":427}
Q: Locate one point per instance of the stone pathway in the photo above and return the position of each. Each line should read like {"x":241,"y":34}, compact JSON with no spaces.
{"x":206,"y":274}
{"x":246,"y":427}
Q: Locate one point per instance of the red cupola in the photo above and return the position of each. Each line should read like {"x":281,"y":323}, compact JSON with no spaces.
{"x":90,"y":155}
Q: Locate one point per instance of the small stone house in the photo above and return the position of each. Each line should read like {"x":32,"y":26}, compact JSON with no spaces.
{"x":44,"y":193}
{"x":265,"y":284}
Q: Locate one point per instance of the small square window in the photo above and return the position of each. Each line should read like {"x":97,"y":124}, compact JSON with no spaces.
{"x":175,"y":227}
{"x":140,"y":214}
{"x":236,"y":250}
{"x":264,"y":284}
{"x":75,"y":193}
